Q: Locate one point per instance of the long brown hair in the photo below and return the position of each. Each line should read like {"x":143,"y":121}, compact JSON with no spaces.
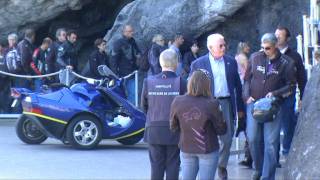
{"x":199,"y":84}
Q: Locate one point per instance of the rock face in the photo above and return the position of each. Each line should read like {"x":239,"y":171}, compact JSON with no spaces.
{"x":236,"y":19}
{"x":303,"y":159}
{"x":18,"y":14}
{"x":190,"y":17}
{"x":259,"y":17}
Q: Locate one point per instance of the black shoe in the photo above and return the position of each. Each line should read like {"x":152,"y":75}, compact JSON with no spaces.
{"x":246,"y":163}
{"x":222,"y":173}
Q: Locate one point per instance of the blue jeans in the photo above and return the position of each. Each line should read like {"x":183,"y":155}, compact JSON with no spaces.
{"x":205,"y":164}
{"x":263,"y":143}
{"x":288,"y":122}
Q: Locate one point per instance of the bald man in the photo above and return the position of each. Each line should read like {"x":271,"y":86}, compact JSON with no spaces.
{"x":226,"y":88}
{"x":123,"y":59}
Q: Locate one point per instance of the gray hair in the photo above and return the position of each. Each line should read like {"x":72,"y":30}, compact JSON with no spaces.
{"x":269,"y":38}
{"x":213,"y":38}
{"x":58,"y":32}
{"x":169,"y":59}
{"x":13,"y":36}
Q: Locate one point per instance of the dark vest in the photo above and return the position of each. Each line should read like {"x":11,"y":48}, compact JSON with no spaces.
{"x":161,"y":92}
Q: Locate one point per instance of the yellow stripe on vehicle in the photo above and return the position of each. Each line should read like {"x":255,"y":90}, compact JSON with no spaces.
{"x":46,"y":117}
{"x":132,"y":134}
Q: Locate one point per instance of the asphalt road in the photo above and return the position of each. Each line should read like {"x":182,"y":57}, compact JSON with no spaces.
{"x":54,"y":160}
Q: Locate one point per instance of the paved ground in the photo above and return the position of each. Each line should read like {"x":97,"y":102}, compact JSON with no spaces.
{"x":53,"y":160}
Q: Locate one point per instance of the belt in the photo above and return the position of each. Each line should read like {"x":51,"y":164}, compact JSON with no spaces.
{"x":223,"y":97}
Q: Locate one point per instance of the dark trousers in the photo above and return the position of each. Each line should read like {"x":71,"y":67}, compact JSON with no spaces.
{"x":164,"y":159}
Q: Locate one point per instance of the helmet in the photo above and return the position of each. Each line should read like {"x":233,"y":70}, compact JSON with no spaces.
{"x":265,"y":109}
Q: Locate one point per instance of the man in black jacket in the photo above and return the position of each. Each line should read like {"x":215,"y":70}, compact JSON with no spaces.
{"x":67,"y":57}
{"x":157,"y":95}
{"x":98,"y":57}
{"x":288,"y":117}
{"x":25,"y":49}
{"x":51,"y":59}
{"x":123,"y":58}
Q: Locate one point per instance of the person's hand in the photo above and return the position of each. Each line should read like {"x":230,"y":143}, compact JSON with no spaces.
{"x":241,"y":126}
{"x":250,"y":100}
{"x":269,"y":95}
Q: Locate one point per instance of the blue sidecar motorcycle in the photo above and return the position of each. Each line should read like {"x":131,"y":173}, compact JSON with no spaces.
{"x":81,"y":115}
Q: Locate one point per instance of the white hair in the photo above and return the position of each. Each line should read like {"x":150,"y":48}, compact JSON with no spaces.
{"x":168,"y":59}
{"x":211,"y":40}
{"x":13,"y":36}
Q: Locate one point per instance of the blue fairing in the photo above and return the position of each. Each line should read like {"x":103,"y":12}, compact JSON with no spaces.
{"x":58,"y":108}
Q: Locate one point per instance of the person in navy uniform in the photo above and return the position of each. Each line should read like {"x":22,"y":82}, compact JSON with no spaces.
{"x":226,"y":87}
{"x":158,"y":93}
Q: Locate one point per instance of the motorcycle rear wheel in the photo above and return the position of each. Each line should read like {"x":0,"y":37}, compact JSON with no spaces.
{"x":28,"y":131}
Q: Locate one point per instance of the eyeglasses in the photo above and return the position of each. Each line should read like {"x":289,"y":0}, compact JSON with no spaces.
{"x":265,"y":48}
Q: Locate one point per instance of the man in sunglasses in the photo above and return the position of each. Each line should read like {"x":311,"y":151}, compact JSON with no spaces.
{"x":270,"y":74}
{"x":226,"y":88}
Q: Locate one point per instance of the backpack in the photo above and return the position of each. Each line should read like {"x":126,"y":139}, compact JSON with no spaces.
{"x":142,"y":61}
{"x":13,"y":61}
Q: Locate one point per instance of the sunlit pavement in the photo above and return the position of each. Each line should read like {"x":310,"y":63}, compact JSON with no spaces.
{"x":54,"y":160}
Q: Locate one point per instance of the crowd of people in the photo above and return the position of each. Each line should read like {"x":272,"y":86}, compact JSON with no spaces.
{"x":192,"y":102}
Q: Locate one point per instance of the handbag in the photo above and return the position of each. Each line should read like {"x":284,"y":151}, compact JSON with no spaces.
{"x":265,"y":109}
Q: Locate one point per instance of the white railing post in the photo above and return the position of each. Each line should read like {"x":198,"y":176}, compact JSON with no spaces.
{"x":67,"y":76}
{"x":136,"y":89}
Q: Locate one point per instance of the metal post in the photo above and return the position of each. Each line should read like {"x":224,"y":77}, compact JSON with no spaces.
{"x":299,"y":45}
{"x":67,"y":77}
{"x":136,"y":82}
{"x":306,"y":42}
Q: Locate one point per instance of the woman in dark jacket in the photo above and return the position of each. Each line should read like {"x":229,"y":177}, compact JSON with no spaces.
{"x":189,"y":57}
{"x":199,"y":118}
{"x":158,"y":45}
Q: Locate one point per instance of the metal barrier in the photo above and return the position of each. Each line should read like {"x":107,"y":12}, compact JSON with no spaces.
{"x":68,"y":71}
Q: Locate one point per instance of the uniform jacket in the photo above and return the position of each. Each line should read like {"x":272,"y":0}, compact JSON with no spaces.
{"x":158,"y":93}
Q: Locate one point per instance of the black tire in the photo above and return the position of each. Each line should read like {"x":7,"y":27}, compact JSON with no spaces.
{"x":28,"y":131}
{"x":80,"y":135}
{"x":131,"y":140}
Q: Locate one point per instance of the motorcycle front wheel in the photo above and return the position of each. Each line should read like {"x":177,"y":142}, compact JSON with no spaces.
{"x":84,"y":132}
{"x":28,"y":131}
